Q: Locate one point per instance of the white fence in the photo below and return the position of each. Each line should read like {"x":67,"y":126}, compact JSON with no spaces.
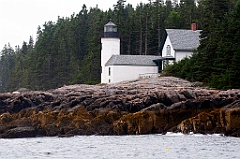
{"x":149,"y":75}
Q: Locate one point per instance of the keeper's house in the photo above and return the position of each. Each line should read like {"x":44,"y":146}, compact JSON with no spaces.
{"x":179,"y":43}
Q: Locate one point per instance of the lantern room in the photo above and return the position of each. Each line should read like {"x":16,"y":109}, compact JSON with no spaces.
{"x":110,"y":30}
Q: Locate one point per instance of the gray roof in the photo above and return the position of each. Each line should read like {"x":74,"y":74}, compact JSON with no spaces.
{"x":110,"y":24}
{"x":139,"y":60}
{"x":181,"y":39}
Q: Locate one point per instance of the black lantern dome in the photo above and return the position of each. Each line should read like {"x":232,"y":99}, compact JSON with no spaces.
{"x":110,"y":30}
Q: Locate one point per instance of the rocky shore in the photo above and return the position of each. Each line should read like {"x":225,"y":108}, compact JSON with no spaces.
{"x":146,"y":106}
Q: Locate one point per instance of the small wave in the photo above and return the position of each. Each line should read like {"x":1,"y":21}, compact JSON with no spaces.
{"x":202,"y":135}
{"x":193,"y":134}
{"x":220,"y":135}
{"x":174,"y":134}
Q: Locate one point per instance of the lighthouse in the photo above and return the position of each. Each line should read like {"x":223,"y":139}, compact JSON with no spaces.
{"x":110,"y":46}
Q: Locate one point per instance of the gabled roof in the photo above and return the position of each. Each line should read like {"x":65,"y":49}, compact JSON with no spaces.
{"x":137,"y":60}
{"x":187,"y":40}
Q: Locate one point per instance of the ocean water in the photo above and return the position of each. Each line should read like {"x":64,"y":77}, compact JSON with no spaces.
{"x":170,"y":146}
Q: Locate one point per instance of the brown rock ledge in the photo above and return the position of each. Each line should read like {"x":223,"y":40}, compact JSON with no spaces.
{"x":144,"y":106}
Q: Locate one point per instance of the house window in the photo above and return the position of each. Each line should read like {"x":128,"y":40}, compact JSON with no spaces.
{"x":168,"y":50}
{"x":109,"y":71}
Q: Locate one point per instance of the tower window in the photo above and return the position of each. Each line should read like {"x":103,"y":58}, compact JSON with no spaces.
{"x":110,"y":29}
{"x":168,"y":50}
{"x":109,"y":71}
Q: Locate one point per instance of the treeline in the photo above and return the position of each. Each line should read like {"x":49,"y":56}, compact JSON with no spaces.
{"x":216,"y":61}
{"x":68,"y":51}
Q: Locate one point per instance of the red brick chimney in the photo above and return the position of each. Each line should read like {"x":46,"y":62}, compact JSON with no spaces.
{"x":194,"y":26}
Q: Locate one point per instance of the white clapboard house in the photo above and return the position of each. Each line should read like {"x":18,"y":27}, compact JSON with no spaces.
{"x":177,"y":44}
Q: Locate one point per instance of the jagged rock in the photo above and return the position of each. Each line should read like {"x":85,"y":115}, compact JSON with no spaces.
{"x":171,"y":97}
{"x":222,"y":120}
{"x":5,"y":118}
{"x":154,"y":107}
{"x":137,"y":123}
{"x":232,"y":117}
{"x":20,"y":132}
{"x":189,"y":94}
{"x":135,"y":107}
{"x":235,"y":104}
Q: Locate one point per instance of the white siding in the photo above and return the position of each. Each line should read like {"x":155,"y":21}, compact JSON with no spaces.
{"x":125,"y":73}
{"x":164,"y":50}
{"x":179,"y":55}
{"x":110,"y":46}
{"x":104,"y":75}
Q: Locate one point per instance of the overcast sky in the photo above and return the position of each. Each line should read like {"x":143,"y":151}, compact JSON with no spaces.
{"x":20,"y":18}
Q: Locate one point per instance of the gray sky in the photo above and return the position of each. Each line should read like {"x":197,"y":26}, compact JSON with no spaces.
{"x":20,"y":18}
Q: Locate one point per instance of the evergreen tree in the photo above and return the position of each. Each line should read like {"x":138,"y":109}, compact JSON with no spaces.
{"x":158,"y":18}
{"x":173,"y":20}
{"x":7,"y":63}
{"x":226,"y":64}
{"x":216,"y":60}
{"x":90,"y":72}
{"x":206,"y":52}
{"x":187,"y":12}
{"x":139,"y":20}
{"x":68,"y":51}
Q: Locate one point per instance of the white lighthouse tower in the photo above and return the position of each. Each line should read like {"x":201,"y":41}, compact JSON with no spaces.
{"x":110,"y":46}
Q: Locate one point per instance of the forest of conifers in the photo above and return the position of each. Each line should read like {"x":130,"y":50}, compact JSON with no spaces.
{"x":68,"y":51}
